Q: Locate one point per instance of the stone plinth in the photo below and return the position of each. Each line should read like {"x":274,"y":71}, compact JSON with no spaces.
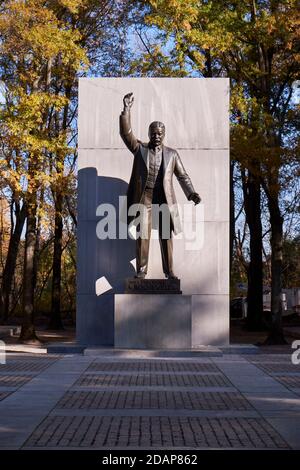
{"x":158,"y":321}
{"x":152,"y":286}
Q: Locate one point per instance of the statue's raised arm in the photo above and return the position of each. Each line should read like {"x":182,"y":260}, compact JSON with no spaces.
{"x":125,"y":124}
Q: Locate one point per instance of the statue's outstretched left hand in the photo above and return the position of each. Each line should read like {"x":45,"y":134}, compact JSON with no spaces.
{"x":195,"y":198}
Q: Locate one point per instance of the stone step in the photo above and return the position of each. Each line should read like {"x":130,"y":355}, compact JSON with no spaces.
{"x":240,"y":349}
{"x":201,"y":351}
{"x":65,"y":348}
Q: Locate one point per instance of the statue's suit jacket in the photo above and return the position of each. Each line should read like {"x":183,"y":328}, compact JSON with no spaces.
{"x":171,"y":165}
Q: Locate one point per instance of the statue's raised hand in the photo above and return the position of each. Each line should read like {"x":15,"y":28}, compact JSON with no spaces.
{"x":128,"y":100}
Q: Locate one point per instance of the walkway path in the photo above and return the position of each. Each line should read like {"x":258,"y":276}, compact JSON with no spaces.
{"x":65,"y":402}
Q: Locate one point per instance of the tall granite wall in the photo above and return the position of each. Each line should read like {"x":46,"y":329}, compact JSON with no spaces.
{"x":195,"y":113}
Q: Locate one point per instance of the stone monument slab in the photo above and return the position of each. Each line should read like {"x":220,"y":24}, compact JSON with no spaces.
{"x":197,"y":126}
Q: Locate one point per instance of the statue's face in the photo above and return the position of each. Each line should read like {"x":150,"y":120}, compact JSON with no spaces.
{"x":156,"y":135}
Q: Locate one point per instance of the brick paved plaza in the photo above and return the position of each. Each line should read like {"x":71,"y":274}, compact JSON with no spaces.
{"x":95,"y":402}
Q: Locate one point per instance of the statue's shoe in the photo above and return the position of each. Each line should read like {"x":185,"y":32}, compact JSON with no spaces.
{"x":171,"y":275}
{"x":140,"y":275}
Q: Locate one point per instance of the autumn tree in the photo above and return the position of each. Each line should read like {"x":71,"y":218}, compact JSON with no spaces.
{"x":45,"y":47}
{"x":31,"y":37}
{"x":255,"y":44}
{"x":98,"y":24}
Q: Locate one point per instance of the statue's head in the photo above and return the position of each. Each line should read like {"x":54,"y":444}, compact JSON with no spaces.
{"x":156,"y":133}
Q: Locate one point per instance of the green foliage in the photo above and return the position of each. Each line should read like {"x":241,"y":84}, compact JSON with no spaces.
{"x":44,"y":47}
{"x":255,"y":45}
{"x":37,"y":42}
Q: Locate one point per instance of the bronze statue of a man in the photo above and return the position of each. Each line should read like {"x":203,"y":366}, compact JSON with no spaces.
{"x":151,"y":183}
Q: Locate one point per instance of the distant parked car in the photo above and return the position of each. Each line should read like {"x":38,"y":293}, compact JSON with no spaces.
{"x":290,"y":299}
{"x":267,"y":302}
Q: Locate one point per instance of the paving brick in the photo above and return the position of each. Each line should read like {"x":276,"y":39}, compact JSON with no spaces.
{"x":288,"y":380}
{"x":153,"y":366}
{"x":157,"y":380}
{"x":24,"y":366}
{"x":268,"y":358}
{"x":32,"y":356}
{"x":153,"y":400}
{"x":14,"y":380}
{"x":283,"y":367}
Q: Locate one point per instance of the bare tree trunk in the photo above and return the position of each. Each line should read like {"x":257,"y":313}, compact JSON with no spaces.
{"x":58,"y":190}
{"x":252,"y":198}
{"x":232,"y":215}
{"x":28,"y":333}
{"x":37,"y":244}
{"x":276,"y":335}
{"x":55,"y":318}
{"x":10,"y":263}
